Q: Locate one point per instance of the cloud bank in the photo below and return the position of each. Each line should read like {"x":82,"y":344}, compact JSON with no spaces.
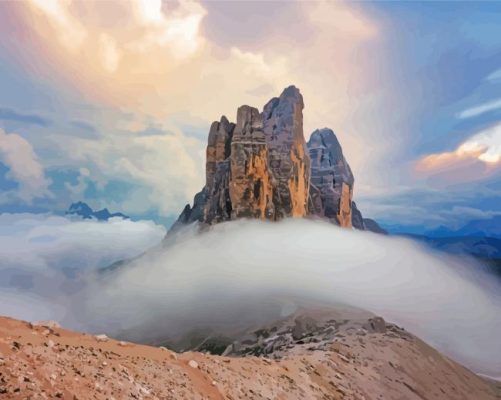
{"x":44,"y":259}
{"x":244,"y":273}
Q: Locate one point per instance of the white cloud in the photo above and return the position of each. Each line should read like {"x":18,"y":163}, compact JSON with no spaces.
{"x":110,"y":55}
{"x":488,"y":142}
{"x":43,"y":256}
{"x":18,"y":155}
{"x":480,"y":109}
{"x":495,"y":76}
{"x":41,"y":242}
{"x":165,"y":168}
{"x":82,"y":183}
{"x":58,"y":13}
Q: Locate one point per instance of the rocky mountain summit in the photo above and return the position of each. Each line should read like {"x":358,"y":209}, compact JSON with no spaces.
{"x":262,"y":167}
{"x":84,"y":211}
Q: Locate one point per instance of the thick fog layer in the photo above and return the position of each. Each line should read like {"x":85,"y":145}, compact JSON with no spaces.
{"x":243,"y":273}
{"x":45,"y":258}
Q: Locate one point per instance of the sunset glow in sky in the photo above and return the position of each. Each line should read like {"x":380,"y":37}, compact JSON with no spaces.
{"x":110,"y":102}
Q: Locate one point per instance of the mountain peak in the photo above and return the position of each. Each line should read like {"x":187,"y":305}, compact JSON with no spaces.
{"x":262,"y":167}
{"x":83,"y":210}
{"x":80,"y":208}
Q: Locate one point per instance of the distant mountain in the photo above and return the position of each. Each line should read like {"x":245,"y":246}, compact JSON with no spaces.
{"x":483,"y":247}
{"x":441,"y":231}
{"x":486,"y":227}
{"x":86,"y":212}
{"x":373,"y":226}
{"x":479,"y":228}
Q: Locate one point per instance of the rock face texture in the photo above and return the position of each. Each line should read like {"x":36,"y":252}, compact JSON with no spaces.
{"x":331,"y":178}
{"x":261,"y":167}
{"x":288,"y":157}
{"x":250,"y":189}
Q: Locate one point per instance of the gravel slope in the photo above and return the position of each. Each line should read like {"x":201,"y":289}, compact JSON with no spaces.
{"x":309,"y":355}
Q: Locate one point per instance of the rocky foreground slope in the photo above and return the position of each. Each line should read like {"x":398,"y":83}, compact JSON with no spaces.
{"x":262,"y":167}
{"x":308,"y":355}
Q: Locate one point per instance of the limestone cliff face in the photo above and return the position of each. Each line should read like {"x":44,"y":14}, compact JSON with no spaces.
{"x":251,"y":191}
{"x":218,"y":146}
{"x":256,"y":168}
{"x":261,"y":167}
{"x":331,"y":188}
{"x":288,"y":156}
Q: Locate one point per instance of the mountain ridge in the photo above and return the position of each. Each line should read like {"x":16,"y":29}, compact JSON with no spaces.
{"x":328,"y":354}
{"x":83,"y":210}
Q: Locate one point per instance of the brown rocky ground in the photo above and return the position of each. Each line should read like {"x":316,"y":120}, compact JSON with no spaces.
{"x":309,"y":355}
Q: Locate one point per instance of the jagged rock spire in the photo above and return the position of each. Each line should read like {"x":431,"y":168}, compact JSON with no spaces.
{"x":261,"y":167}
{"x":288,"y":156}
{"x":332,"y":181}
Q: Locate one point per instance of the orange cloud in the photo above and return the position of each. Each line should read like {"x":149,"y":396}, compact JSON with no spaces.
{"x":477,"y":158}
{"x":151,"y":56}
{"x":113,"y":51}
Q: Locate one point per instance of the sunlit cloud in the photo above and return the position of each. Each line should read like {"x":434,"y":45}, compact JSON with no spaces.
{"x":114,"y":51}
{"x":475,"y":159}
{"x":151,"y":57}
{"x":58,"y":14}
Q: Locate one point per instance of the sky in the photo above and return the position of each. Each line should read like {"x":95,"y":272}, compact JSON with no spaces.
{"x":111,"y":102}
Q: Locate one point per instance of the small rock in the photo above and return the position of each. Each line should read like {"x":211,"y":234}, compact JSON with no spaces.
{"x":193,"y":364}
{"x":46,"y":324}
{"x":122,"y":343}
{"x":50,"y":344}
{"x":214,"y":383}
{"x":345,"y":359}
{"x":101,"y":338}
{"x":376,"y":324}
